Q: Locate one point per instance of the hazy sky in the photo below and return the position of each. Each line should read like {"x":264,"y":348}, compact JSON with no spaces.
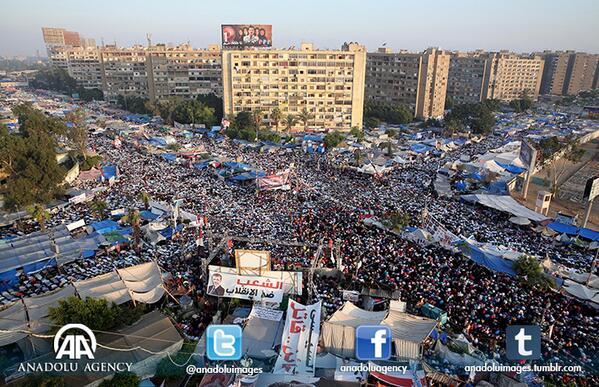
{"x":519,"y":25}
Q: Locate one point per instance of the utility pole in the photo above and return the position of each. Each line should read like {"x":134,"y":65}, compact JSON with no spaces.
{"x":587,"y":213}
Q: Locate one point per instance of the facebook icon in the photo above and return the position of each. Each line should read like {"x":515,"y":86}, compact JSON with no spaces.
{"x":523,"y":342}
{"x":373,"y":342}
{"x":223,"y":342}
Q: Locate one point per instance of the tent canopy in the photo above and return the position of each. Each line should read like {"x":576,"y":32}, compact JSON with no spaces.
{"x":506,"y":204}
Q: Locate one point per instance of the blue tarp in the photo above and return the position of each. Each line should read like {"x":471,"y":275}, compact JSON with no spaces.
{"x":310,"y":148}
{"x":8,"y":280}
{"x":314,"y":137}
{"x":498,"y":188}
{"x":105,"y":226}
{"x":108,"y":171}
{"x":169,"y":156}
{"x":158,"y":140}
{"x":563,"y":228}
{"x":589,"y":234}
{"x":248,"y":176}
{"x":88,"y":253}
{"x":511,"y":168}
{"x":420,"y":148}
{"x":148,"y":215}
{"x":236,"y":165}
{"x":461,"y":186}
{"x":201,"y":165}
{"x":475,"y":176}
{"x":170,"y":231}
{"x":489,"y":261}
{"x":40,"y":265}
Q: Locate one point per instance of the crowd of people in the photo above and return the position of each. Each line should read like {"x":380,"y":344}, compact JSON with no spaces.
{"x":328,"y":203}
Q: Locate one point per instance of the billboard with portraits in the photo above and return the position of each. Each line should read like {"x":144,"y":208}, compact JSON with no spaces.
{"x":246,"y":35}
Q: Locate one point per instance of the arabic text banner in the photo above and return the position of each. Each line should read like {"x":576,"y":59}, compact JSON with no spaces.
{"x":300,"y":339}
{"x":256,"y":288}
{"x":292,"y":280}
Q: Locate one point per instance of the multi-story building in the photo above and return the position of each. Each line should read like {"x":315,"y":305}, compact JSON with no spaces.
{"x":329,"y":84}
{"x":418,"y":80}
{"x":467,"y":72}
{"x":512,"y":76}
{"x":154,"y":72}
{"x":568,"y":72}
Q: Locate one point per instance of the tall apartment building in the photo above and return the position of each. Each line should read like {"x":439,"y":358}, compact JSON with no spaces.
{"x":511,"y":76}
{"x":418,"y":80}
{"x":328,"y":83}
{"x":154,"y":72}
{"x":569,"y":72}
{"x":467,"y":72}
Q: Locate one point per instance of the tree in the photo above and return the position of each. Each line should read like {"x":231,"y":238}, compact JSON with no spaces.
{"x":168,"y":369}
{"x":477,"y":116}
{"x":122,"y":379}
{"x":29,"y":159}
{"x":244,"y":121}
{"x":531,"y":272}
{"x":275,"y":117}
{"x":397,"y":220}
{"x":213,"y":101}
{"x":134,"y":219}
{"x":98,"y":207}
{"x":257,"y":118}
{"x":389,"y":113}
{"x":193,"y":112}
{"x":449,"y":102}
{"x":40,"y":214}
{"x":453,"y":126}
{"x":95,"y":313}
{"x":305,"y":116}
{"x":332,"y":139}
{"x":134,"y":104}
{"x":372,"y":122}
{"x":290,"y":120}
{"x":145,"y":198}
{"x":357,"y":133}
{"x":77,"y":131}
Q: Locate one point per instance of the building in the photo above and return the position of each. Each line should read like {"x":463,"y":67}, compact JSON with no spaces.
{"x":418,"y":80}
{"x":328,"y":83}
{"x":467,"y":72}
{"x":568,"y":72}
{"x":511,"y":76}
{"x":155,"y":72}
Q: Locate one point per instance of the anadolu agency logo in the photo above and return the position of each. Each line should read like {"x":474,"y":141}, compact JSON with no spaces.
{"x":75,"y":352}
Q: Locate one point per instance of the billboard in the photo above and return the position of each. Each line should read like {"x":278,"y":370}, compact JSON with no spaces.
{"x":591,"y":190}
{"x":255,"y":288}
{"x":246,"y":35}
{"x":252,"y":262}
{"x":528,"y":154}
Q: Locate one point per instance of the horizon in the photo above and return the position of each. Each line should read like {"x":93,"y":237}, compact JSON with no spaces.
{"x":465,"y":26}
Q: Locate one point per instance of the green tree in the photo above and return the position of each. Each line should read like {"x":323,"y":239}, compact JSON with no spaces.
{"x":134,"y":104}
{"x":96,"y":314}
{"x":122,"y":379}
{"x":97,"y":207}
{"x":290,"y":120}
{"x":357,"y":133}
{"x":391,"y":114}
{"x":372,"y":122}
{"x":213,"y":101}
{"x":168,"y":369}
{"x":332,"y":139}
{"x":449,"y":102}
{"x":305,"y":116}
{"x":397,"y":220}
{"x":40,"y":214}
{"x":530,"y":271}
{"x":145,"y":198}
{"x":244,"y":121}
{"x":477,"y":116}
{"x":193,"y":112}
{"x":77,"y":132}
{"x":275,"y":117}
{"x":134,"y":219}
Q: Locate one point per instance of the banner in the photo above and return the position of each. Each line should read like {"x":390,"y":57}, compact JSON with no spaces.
{"x":300,"y":339}
{"x":246,"y":35}
{"x":278,"y":181}
{"x":292,"y":280}
{"x":255,"y":288}
{"x":252,"y":262}
{"x":266,"y":313}
{"x":440,"y":234}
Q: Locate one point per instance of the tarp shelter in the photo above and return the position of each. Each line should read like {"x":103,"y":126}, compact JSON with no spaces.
{"x":511,"y":168}
{"x":108,"y":172}
{"x":408,"y":333}
{"x":169,"y":157}
{"x":261,"y":335}
{"x":506,"y":204}
{"x":339,"y":332}
{"x":486,"y":259}
{"x":420,"y":148}
{"x":107,"y":286}
{"x":580,"y":291}
{"x":105,"y":226}
{"x":38,"y":308}
{"x":563,"y":228}
{"x":13,"y":319}
{"x":144,"y":282}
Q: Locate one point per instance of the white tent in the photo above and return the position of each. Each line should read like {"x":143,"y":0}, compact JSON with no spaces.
{"x":38,"y":307}
{"x":505,"y":203}
{"x":580,"y":291}
{"x":144,"y":282}
{"x":408,"y":333}
{"x":107,"y":286}
{"x":12,"y":318}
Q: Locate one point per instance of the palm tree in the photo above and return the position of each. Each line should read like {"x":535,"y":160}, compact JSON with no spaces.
{"x":133,"y":218}
{"x":257,"y":118}
{"x":275,"y":117}
{"x":98,"y":207}
{"x":290,"y":120}
{"x":40,"y":214}
{"x":145,"y":198}
{"x":304,"y":117}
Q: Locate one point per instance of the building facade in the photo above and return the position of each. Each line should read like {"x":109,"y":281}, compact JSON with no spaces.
{"x":417,"y":80}
{"x":569,"y":72}
{"x":329,"y":84}
{"x":511,"y":76}
{"x":467,"y":72}
{"x":155,"y":72}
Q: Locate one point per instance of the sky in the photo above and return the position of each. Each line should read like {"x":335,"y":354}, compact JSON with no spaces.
{"x":517,"y":25}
